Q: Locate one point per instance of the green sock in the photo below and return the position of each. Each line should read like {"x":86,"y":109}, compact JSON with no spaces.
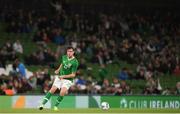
{"x":58,"y":100}
{"x":46,"y":98}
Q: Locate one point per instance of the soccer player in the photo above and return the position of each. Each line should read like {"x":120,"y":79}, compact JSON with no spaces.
{"x":67,"y":71}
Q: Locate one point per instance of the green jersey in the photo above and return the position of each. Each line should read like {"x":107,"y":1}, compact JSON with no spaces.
{"x":69,"y":66}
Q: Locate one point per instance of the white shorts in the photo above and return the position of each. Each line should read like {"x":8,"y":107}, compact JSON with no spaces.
{"x":62,"y":83}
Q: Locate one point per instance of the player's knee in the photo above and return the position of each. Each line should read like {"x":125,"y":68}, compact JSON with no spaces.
{"x":63,"y":92}
{"x":52,"y":90}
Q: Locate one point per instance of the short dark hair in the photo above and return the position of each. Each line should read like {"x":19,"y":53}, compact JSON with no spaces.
{"x":70,"y":47}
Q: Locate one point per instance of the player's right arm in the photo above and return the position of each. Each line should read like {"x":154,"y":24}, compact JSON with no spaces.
{"x":60,"y":62}
{"x":57,"y":71}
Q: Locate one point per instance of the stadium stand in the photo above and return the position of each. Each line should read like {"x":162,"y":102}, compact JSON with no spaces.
{"x":119,"y":52}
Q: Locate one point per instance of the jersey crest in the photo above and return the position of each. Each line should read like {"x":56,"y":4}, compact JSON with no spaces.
{"x":67,"y":66}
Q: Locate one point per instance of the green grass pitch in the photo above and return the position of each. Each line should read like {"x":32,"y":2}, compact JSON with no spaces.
{"x":90,"y":110}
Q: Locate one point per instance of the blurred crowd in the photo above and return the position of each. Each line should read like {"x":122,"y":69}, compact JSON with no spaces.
{"x":149,"y":41}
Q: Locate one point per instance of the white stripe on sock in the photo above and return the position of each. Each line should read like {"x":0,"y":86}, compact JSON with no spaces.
{"x":46,"y":99}
{"x":57,"y":101}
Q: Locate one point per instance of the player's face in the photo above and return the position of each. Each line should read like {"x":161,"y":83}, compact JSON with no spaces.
{"x":70,"y":53}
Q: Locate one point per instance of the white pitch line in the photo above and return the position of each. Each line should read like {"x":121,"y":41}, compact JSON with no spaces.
{"x":63,"y":113}
{"x":85,"y":113}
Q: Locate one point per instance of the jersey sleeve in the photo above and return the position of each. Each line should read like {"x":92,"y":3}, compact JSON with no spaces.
{"x":75,"y":66}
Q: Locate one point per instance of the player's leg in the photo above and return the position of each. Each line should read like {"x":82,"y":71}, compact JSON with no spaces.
{"x":64,"y":90}
{"x":47,"y":96}
{"x":61,"y":96}
{"x":56,"y":85}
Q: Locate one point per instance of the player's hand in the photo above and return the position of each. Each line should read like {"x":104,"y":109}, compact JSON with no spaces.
{"x":56,"y":71}
{"x":61,"y":77}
